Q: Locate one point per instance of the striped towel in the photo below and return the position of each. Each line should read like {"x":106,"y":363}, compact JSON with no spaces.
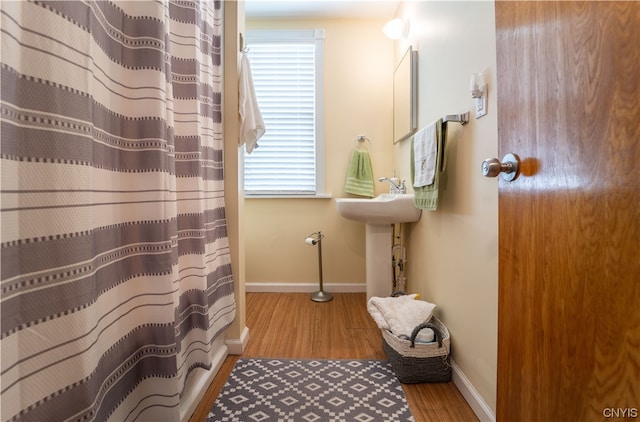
{"x":360,"y":175}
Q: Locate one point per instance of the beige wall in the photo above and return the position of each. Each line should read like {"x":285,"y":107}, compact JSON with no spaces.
{"x":452,"y":253}
{"x":358,"y":90}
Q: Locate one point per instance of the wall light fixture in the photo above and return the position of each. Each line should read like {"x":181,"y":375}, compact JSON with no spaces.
{"x":396,"y":29}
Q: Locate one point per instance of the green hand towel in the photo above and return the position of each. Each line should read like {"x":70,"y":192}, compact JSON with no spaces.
{"x":426,"y":197}
{"x":360,"y":175}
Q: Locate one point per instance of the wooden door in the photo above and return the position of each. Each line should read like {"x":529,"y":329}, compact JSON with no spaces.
{"x":568,"y":83}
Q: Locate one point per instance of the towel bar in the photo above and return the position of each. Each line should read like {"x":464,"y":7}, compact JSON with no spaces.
{"x":458,"y":118}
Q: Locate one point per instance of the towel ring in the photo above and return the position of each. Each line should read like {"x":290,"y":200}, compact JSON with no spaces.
{"x":360,"y":140}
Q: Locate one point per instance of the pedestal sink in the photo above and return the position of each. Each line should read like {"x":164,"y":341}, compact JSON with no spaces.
{"x":379,"y":214}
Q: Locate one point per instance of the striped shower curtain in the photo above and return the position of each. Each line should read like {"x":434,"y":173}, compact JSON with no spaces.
{"x":116,"y":274}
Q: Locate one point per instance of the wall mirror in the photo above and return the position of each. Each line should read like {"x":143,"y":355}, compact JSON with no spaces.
{"x":405,"y":108}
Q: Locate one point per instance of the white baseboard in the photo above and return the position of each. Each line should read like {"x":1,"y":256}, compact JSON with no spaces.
{"x":237,"y":346}
{"x":305,"y":287}
{"x":471,"y":395}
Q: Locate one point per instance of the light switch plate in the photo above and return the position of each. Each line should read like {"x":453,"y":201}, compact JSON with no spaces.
{"x":481,"y":106}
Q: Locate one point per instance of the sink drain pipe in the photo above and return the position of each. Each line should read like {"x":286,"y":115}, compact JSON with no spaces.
{"x":316,"y":239}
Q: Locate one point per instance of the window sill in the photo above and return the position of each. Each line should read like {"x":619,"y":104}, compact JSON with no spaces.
{"x":275,"y":196}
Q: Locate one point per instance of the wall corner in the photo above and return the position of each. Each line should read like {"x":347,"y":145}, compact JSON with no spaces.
{"x":234,"y":22}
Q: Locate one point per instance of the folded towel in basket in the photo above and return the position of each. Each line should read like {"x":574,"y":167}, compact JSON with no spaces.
{"x":401,"y":314}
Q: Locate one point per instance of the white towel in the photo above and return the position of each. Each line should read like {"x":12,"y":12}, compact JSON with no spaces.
{"x":425,"y":154}
{"x":401,"y":314}
{"x":251,"y":123}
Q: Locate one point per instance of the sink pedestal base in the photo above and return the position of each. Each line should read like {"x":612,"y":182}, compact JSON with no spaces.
{"x":378,"y":260}
{"x":379,"y":214}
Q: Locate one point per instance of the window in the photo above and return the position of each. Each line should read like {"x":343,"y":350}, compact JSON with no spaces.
{"x":287,"y":70}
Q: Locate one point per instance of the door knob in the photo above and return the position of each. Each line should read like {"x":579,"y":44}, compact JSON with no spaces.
{"x":509,"y":167}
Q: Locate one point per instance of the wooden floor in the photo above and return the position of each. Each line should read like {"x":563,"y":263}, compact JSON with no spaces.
{"x":292,"y":326}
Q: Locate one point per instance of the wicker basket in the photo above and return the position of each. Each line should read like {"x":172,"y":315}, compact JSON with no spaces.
{"x":420,"y":362}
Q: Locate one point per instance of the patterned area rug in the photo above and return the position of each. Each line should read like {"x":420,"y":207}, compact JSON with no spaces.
{"x":311,"y":390}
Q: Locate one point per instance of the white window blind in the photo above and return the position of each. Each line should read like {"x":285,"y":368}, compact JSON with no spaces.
{"x":287,"y":73}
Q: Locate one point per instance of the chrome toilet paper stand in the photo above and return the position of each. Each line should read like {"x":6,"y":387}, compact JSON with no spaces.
{"x":320,"y":295}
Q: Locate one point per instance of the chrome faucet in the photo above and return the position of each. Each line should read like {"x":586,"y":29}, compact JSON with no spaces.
{"x":395,"y":188}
